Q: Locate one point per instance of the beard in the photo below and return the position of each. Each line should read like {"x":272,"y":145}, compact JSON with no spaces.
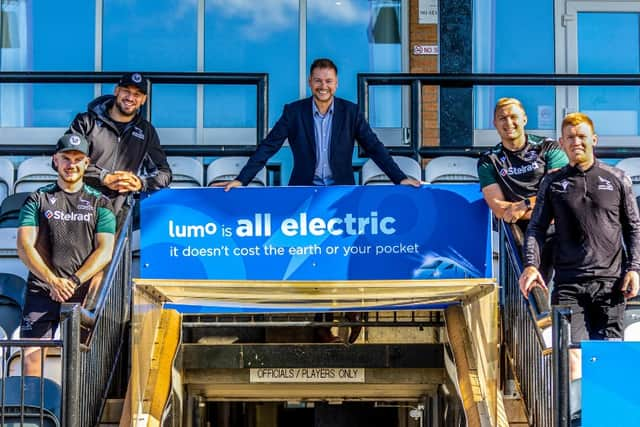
{"x":122,"y":109}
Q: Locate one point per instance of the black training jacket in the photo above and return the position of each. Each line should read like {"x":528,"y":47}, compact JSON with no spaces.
{"x":136,"y":150}
{"x":596,"y":218}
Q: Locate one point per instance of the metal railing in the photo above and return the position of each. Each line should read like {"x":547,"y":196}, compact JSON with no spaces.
{"x":259,"y":80}
{"x":525,"y":347}
{"x":27,"y":399}
{"x":95,"y":339}
{"x":450,"y":80}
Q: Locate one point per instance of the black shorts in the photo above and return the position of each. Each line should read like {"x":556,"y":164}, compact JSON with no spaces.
{"x":597,"y":308}
{"x":41,"y":314}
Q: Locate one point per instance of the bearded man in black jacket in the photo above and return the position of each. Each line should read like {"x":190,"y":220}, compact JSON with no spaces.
{"x":124,"y":148}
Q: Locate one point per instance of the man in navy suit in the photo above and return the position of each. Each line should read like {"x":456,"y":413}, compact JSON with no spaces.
{"x":321,"y":131}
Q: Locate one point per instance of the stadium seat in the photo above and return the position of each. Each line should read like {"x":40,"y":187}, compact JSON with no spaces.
{"x":372,"y":175}
{"x":12,"y":289}
{"x":9,"y":261}
{"x":451,"y":169}
{"x":226,"y":169}
{"x":10,"y":318}
{"x":12,"y":295}
{"x":631,"y":167}
{"x":6,"y":177}
{"x":187,"y":172}
{"x":10,"y":209}
{"x":37,"y":392}
{"x":34,"y":173}
{"x":632,"y":323}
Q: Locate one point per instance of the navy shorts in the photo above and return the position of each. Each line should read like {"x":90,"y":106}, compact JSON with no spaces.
{"x":597,"y":308}
{"x":41,"y":314}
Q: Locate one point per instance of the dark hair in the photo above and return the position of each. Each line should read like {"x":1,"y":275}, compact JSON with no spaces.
{"x":323,"y":63}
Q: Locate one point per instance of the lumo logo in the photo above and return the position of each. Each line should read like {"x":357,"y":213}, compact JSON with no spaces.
{"x":208,"y":229}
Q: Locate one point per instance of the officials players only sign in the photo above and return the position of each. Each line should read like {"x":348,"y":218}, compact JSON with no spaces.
{"x":316,"y":233}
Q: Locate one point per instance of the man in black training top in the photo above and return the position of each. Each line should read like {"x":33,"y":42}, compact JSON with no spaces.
{"x":124,"y":148}
{"x":65,"y":237}
{"x":597,"y":245}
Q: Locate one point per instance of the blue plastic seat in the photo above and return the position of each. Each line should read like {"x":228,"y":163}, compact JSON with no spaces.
{"x":10,"y":318}
{"x":10,"y":209}
{"x":48,"y":408}
{"x":12,"y":289}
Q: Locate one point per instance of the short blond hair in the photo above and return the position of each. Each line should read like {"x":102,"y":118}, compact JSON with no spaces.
{"x":503,"y":102}
{"x":575,"y":119}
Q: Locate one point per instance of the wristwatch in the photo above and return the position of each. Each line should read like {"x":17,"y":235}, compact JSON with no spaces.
{"x":527,"y":203}
{"x":75,"y":279}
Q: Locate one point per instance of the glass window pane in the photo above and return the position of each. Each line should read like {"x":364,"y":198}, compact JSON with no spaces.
{"x":615,"y":110}
{"x":501,"y":46}
{"x":35,"y":36}
{"x":155,"y":35}
{"x":250,"y":37}
{"x":360,"y":36}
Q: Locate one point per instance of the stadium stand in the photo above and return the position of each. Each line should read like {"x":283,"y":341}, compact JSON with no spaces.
{"x":33,"y":173}
{"x":451,"y":169}
{"x":372,"y":175}
{"x":227,"y":168}
{"x":7,"y":172}
{"x":187,"y":172}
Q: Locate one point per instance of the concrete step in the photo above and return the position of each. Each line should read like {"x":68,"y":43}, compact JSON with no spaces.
{"x":112,"y":412}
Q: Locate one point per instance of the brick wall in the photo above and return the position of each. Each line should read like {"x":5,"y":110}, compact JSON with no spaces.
{"x":425,"y":34}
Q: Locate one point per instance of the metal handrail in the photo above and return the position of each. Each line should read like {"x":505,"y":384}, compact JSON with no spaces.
{"x":89,"y":316}
{"x":524,"y":344}
{"x":468,"y":80}
{"x":259,"y":80}
{"x":94,"y":339}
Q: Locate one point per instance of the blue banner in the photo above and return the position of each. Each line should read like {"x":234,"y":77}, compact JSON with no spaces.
{"x":316,"y":233}
{"x":610,"y":381}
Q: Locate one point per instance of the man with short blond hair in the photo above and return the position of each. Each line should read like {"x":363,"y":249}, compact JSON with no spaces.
{"x":510,"y":172}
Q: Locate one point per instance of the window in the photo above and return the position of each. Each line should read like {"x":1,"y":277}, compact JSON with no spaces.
{"x":360,"y":36}
{"x":514,"y":37}
{"x":250,"y":37}
{"x":45,"y":36}
{"x":155,"y":35}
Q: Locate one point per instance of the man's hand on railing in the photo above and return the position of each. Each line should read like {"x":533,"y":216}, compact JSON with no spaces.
{"x":529,"y":279}
{"x":227,"y":185}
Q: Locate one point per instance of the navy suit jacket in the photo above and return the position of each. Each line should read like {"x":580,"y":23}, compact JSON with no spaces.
{"x":296,"y":125}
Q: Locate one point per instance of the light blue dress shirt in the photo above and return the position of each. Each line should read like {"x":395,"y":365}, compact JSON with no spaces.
{"x":322,"y":131}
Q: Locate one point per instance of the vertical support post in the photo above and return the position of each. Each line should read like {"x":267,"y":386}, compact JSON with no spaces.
{"x":561,"y":380}
{"x":416,"y":118}
{"x":70,"y":324}
{"x":363,"y":96}
{"x":262,"y":113}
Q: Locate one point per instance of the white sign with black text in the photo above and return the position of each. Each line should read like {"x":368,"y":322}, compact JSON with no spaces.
{"x":306,"y":375}
{"x":427,"y":11}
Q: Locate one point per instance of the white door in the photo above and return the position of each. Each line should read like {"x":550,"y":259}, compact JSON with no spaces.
{"x":600,"y":37}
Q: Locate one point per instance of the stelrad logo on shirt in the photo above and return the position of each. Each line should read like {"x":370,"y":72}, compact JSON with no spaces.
{"x":519,"y":170}
{"x":68,"y":216}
